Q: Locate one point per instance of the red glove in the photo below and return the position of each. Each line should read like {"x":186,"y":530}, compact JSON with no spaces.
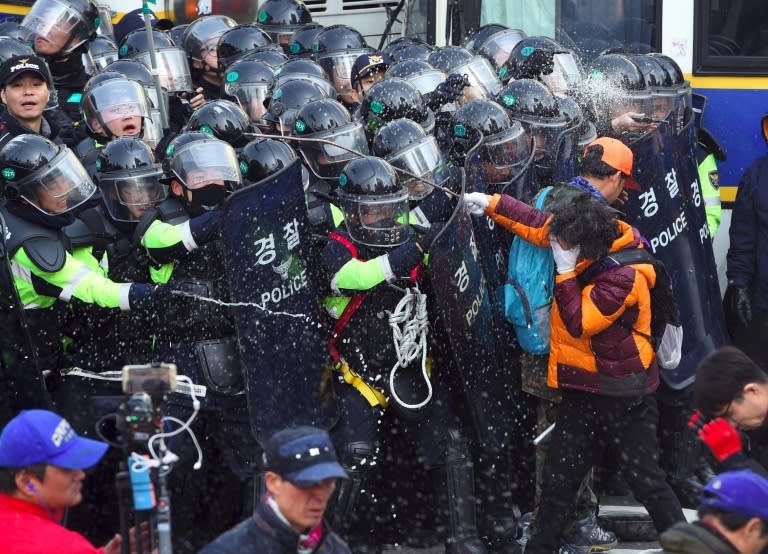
{"x":721,"y":438}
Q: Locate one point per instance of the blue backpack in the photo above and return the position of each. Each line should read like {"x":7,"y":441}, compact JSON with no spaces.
{"x":529,"y":290}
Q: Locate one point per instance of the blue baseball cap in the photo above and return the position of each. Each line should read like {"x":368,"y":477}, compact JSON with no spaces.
{"x":40,"y":436}
{"x":302,"y":455}
{"x":738,"y":492}
{"x":131,"y":21}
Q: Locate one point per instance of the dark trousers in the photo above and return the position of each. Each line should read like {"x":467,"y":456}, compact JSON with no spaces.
{"x":587,"y":425}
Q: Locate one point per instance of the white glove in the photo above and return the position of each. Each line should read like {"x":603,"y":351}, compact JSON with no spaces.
{"x":477,"y":202}
{"x":565,"y":260}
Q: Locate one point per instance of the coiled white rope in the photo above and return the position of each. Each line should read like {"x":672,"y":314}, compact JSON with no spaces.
{"x":409,"y":334}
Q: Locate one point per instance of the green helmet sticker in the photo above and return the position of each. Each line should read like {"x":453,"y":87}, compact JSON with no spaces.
{"x":377,"y":107}
{"x":343,"y":180}
{"x":9,"y":173}
{"x":278,"y":93}
{"x":295,"y":48}
{"x":300,"y":125}
{"x":277,"y":71}
{"x":596,"y":74}
{"x":98,"y":163}
{"x":169,"y":150}
{"x":315,"y":46}
{"x":503,"y":72}
{"x":243,"y":166}
{"x":232,"y":76}
{"x":123,"y":50}
{"x":527,"y":51}
{"x":373,"y":124}
{"x":509,"y":100}
{"x":96,"y":22}
{"x":206,"y":129}
{"x":459,"y":130}
{"x":263,"y":16}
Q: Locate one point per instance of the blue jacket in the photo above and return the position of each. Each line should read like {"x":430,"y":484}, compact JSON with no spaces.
{"x":748,"y":254}
{"x":265,"y":533}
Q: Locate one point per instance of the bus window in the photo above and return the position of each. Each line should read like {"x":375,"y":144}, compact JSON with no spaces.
{"x":731,"y":37}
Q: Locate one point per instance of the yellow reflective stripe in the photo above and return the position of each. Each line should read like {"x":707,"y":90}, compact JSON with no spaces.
{"x":373,"y":395}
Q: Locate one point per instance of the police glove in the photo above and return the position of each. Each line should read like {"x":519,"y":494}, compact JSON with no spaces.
{"x":739,"y":303}
{"x":142,"y":296}
{"x":404,"y":258}
{"x":428,"y":238}
{"x":721,"y":439}
{"x":204,"y":228}
{"x":565,"y":260}
{"x":477,"y":202}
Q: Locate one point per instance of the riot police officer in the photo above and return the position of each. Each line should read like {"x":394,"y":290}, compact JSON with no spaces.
{"x":200,"y":40}
{"x":367,"y":261}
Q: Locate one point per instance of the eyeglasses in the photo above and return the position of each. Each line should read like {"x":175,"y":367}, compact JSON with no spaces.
{"x":209,"y":49}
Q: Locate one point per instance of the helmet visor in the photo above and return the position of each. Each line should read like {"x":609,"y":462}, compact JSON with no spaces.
{"x":427,"y":81}
{"x":322,"y":84}
{"x":153,"y":129}
{"x":500,"y":45}
{"x":377,"y":220}
{"x":250,"y":97}
{"x":128,"y":194}
{"x":504,"y":154}
{"x":481,"y":75}
{"x":327,"y":160}
{"x":206,"y":162}
{"x":338,"y":65}
{"x":566,"y":73}
{"x":95,"y":63}
{"x":57,"y":23}
{"x":172,"y":68}
{"x":114,"y":100}
{"x":424,"y":160}
{"x":59,"y":186}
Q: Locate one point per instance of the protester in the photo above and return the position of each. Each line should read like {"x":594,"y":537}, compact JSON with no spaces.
{"x":301,"y":471}
{"x":733,"y":518}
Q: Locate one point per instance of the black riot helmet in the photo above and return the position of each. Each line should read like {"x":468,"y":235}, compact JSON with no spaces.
{"x":392,"y":99}
{"x":448,"y":57}
{"x":172,"y":64}
{"x":498,"y":47}
{"x":419,"y":73}
{"x":679,"y":86}
{"x":177,"y":34}
{"x":100,"y":78}
{"x":12,"y":28}
{"x":202,"y":35}
{"x":249,"y":83}
{"x":140,"y":73}
{"x":543,"y":58}
{"x":504,"y":148}
{"x":617,"y":86}
{"x":576,"y":119}
{"x":405,"y":145}
{"x":46,"y":175}
{"x":411,"y":51}
{"x":281,"y":18}
{"x":329,"y":120}
{"x":482,"y":34}
{"x":238,"y":41}
{"x":204,"y":165}
{"x":533,"y":104}
{"x":102,"y":51}
{"x":304,"y":68}
{"x":286,"y":101}
{"x":659,"y":81}
{"x":263,"y":157}
{"x":336,"y":38}
{"x":374,"y":203}
{"x":47,"y":19}
{"x":267,"y":54}
{"x":114,"y":100}
{"x":10,"y":47}
{"x":129,"y":179}
{"x":336,"y":48}
{"x":479,"y":72}
{"x":302,"y":39}
{"x":224,"y":120}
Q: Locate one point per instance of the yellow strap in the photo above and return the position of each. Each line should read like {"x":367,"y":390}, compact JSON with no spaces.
{"x":373,"y":395}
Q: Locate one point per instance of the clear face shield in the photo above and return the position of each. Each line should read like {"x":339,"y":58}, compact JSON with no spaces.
{"x":338,"y":65}
{"x":500,"y":45}
{"x":129,"y":194}
{"x":566,"y":75}
{"x":424,"y":160}
{"x":481,"y":76}
{"x":56,"y":26}
{"x":153,"y":129}
{"x":206,"y":162}
{"x":322,"y":84}
{"x":172,"y":68}
{"x":96,"y":63}
{"x":105,"y":20}
{"x":377,"y":220}
{"x":59,"y":186}
{"x":250,"y":97}
{"x":612,"y":103}
{"x":427,"y":81}
{"x":327,"y":161}
{"x":505,"y":155}
{"x":116,"y":108}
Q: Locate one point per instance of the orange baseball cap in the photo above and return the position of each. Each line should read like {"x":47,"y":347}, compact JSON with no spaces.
{"x":618,"y":156}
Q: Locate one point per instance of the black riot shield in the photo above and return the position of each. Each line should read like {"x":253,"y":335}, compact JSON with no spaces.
{"x":463,"y":302}
{"x":669,"y":212}
{"x":22,"y":384}
{"x":274,"y":285}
